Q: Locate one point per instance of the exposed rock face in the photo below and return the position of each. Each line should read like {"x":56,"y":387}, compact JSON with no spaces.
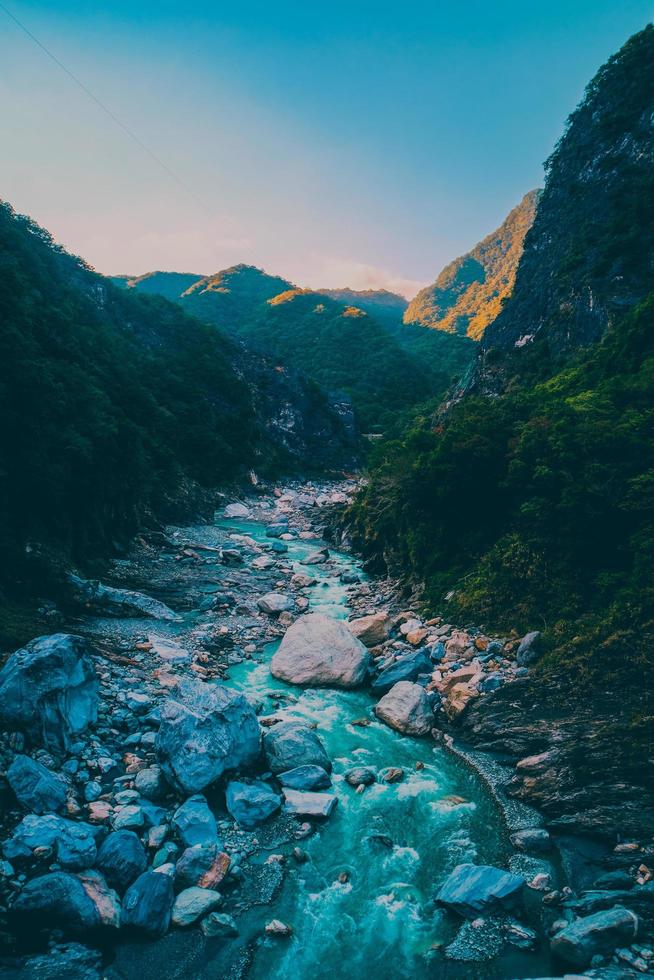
{"x":406,"y":708}
{"x":38,"y":789}
{"x":579,"y":266}
{"x":474,"y":889}
{"x":121,"y":602}
{"x":595,"y":935}
{"x":469,"y":292}
{"x":320,"y":651}
{"x":291,"y":745}
{"x":205,"y":730}
{"x":49,"y":689}
{"x":570,"y":757}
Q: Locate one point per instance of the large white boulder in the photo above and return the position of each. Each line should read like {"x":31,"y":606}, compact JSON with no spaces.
{"x":320,"y":651}
{"x":406,"y":708}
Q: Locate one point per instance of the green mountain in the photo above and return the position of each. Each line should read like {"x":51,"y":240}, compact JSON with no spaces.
{"x":534,"y":508}
{"x":170,"y":285}
{"x":470,"y":291}
{"x":368,"y":355}
{"x":380,"y":303}
{"x":117,"y":405}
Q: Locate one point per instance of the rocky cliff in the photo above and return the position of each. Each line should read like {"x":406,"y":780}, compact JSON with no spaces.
{"x":470,"y":291}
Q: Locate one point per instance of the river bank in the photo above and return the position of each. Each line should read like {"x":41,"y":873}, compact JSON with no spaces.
{"x":357,"y":888}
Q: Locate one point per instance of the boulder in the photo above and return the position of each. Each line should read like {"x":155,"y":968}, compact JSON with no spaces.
{"x":274,"y":603}
{"x":529,"y":649}
{"x":372,"y":629}
{"x":151,"y":783}
{"x":206,"y":729}
{"x":49,"y":690}
{"x":77,"y":903}
{"x":263,"y":563}
{"x":308,"y":777}
{"x":595,"y":935}
{"x":35,"y":787}
{"x":406,"y":668}
{"x":302,"y":581}
{"x":66,"y":960}
{"x":193,"y":903}
{"x":473,"y":889}
{"x":121,"y":859}
{"x":360,"y":776}
{"x":194,"y":822}
{"x":406,"y":708}
{"x":148,"y":903}
{"x":291,"y":744}
{"x":251,"y":803}
{"x":237,"y":511}
{"x":303,"y":804}
{"x":458,"y":698}
{"x":73,"y":842}
{"x":320,"y":651}
{"x":204,"y":865}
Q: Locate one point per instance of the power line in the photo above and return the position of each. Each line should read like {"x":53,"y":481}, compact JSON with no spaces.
{"x":114,"y":118}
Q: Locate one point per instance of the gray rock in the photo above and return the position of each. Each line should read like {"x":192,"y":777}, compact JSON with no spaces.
{"x":320,"y":651}
{"x":473,"y":889}
{"x":122,"y":602}
{"x":38,"y":789}
{"x":305,"y":777}
{"x":406,"y":668}
{"x":206,"y":730}
{"x":372,"y":629}
{"x":204,"y":865}
{"x":73,"y":842}
{"x":534,"y":840}
{"x":151,"y":783}
{"x":595,"y":935}
{"x":193,"y":903}
{"x":360,"y":776}
{"x":219,"y":924}
{"x":49,"y":689}
{"x":148,"y":903}
{"x":304,"y":804}
{"x":529,"y":649}
{"x":276,"y":530}
{"x":236,"y":510}
{"x":251,"y":803}
{"x":290,"y":744}
{"x":406,"y":708}
{"x":274,"y":603}
{"x":130,"y":817}
{"x":195,"y":823}
{"x":75,"y":902}
{"x":121,"y":859}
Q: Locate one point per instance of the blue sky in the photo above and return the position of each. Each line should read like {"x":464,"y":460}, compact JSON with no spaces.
{"x":336,"y":143}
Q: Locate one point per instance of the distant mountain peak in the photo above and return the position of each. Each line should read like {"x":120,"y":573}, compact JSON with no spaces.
{"x":469,"y":292}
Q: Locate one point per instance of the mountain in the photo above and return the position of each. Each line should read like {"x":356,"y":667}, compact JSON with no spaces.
{"x":357,"y":348}
{"x":170,"y":285}
{"x":529,"y":503}
{"x":579,"y":273}
{"x":469,"y":292}
{"x":378,"y":302}
{"x":117,"y":406}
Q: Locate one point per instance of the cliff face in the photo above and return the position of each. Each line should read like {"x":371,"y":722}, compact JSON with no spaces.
{"x":590,"y":253}
{"x":469,"y":292}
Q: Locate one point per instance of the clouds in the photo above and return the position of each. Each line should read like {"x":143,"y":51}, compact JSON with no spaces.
{"x":332,"y":272}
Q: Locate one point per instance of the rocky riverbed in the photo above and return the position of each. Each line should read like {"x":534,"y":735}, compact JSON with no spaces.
{"x":238,"y":757}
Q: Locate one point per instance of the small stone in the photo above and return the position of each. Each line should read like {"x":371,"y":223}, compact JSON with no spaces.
{"x":278,"y":929}
{"x":219,"y":924}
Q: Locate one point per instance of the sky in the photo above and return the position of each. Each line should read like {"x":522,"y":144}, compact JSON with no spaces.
{"x":358,"y":143}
